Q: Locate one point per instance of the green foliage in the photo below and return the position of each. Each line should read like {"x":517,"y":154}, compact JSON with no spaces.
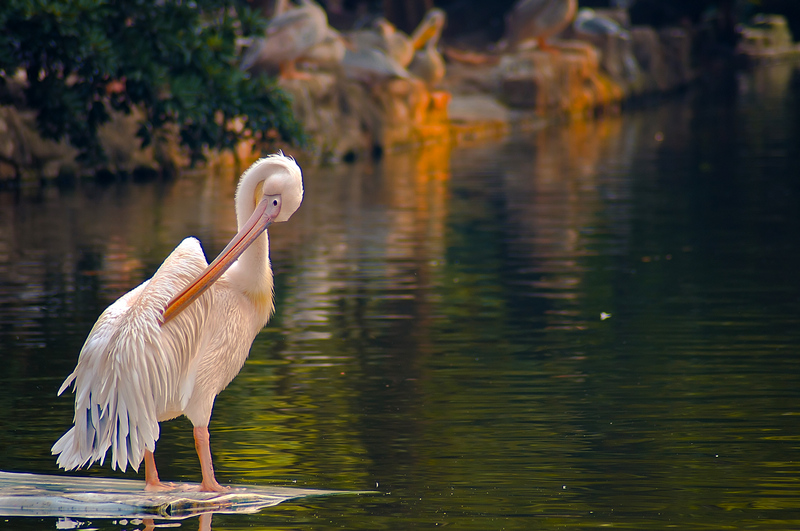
{"x":177,"y":60}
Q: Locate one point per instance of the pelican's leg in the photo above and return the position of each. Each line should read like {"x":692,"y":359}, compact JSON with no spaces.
{"x":201,"y":444}
{"x":151,"y":481}
{"x":205,"y":522}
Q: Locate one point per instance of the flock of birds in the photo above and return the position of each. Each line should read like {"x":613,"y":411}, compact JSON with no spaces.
{"x":301,"y":34}
{"x":170,"y":346}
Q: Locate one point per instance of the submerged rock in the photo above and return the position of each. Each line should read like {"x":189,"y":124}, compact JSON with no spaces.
{"x":664,"y":57}
{"x":767,"y":38}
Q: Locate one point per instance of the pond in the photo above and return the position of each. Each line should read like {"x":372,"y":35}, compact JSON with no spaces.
{"x":595,"y":324}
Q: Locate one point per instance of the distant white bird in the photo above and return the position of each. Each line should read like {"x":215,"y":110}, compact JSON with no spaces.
{"x":537,"y":19}
{"x":290,"y":34}
{"x":371,"y":65}
{"x":171,"y":345}
{"x":384,"y":36}
{"x":428,"y":64}
{"x":396,"y":44}
{"x":328,"y":54}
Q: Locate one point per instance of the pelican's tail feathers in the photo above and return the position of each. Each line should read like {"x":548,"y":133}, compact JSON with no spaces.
{"x":69,"y":380}
{"x":98,"y":428}
{"x":112,"y":411}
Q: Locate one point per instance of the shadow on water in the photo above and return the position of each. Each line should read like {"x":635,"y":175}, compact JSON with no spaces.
{"x":593,"y":325}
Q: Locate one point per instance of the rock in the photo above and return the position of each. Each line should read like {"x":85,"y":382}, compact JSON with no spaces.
{"x":346,"y":117}
{"x":664,"y":57}
{"x":335,"y":112}
{"x":569,"y":81}
{"x":23,"y":148}
{"x":124,"y":151}
{"x":677,"y":49}
{"x":650,"y":56}
{"x":528,"y":80}
{"x":767,"y":37}
{"x":606,"y":29}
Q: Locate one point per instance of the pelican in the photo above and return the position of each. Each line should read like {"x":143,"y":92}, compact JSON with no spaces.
{"x":385,"y":37}
{"x":537,"y":19}
{"x":290,"y":34}
{"x":365,"y":58}
{"x":171,"y":345}
{"x":328,"y":54}
{"x":428,"y":64}
{"x":396,"y":43}
{"x":371,"y":65}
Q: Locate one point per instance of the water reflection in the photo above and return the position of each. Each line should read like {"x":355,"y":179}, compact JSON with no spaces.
{"x":439,"y":331}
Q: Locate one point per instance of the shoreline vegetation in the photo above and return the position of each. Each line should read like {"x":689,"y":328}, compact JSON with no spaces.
{"x":588,"y":70}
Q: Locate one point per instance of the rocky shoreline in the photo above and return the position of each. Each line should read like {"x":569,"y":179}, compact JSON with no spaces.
{"x":482,"y":95}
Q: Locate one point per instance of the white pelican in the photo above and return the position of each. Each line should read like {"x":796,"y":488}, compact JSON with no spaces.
{"x":385,"y":37}
{"x":329,"y":53}
{"x":538,"y":19}
{"x":395,"y":43}
{"x":428,"y":64}
{"x":290,"y":34}
{"x":371,"y":65}
{"x":368,"y":58}
{"x":171,"y":345}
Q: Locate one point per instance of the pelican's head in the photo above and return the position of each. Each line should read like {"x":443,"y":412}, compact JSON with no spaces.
{"x":271,"y":190}
{"x":275,"y":182}
{"x":430,"y":29}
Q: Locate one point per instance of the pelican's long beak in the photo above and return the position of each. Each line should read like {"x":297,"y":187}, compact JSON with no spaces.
{"x":425,"y":31}
{"x":264,"y":214}
{"x":422,"y":36}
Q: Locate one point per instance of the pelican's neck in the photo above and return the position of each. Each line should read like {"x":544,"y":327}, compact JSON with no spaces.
{"x":251,"y":275}
{"x":434,"y":41}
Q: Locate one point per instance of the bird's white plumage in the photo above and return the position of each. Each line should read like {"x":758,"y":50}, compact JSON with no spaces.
{"x":427,"y":63}
{"x":538,"y":19}
{"x":289,"y":36}
{"x":133,"y":371}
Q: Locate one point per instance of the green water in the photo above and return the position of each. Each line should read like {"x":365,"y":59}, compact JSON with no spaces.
{"x":592,"y":325}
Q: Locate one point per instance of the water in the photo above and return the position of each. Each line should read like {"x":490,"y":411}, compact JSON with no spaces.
{"x":593,"y":325}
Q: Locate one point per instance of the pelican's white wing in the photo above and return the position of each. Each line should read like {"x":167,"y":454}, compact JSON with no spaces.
{"x":288,"y":36}
{"x":133,"y":371}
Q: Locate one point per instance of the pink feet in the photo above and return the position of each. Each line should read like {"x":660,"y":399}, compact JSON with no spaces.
{"x":213,"y":487}
{"x":159,"y":486}
{"x":209,"y":484}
